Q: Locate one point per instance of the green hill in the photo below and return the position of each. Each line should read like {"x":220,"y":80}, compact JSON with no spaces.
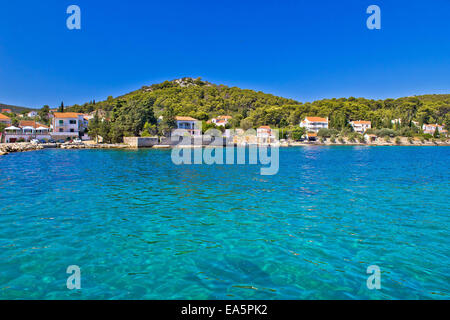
{"x":15,"y":109}
{"x":203,"y":100}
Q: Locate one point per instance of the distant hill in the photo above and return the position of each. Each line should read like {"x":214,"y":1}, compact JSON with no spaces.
{"x":15,"y":109}
{"x":203,"y":100}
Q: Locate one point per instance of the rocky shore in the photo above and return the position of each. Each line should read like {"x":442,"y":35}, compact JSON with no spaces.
{"x":6,"y":148}
{"x":93,"y":146}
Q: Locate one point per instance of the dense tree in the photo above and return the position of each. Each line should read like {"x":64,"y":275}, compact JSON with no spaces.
{"x":94,"y":127}
{"x":246,"y":124}
{"x":43,"y":114}
{"x":249,"y":109}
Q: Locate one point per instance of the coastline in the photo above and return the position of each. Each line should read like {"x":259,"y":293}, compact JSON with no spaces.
{"x":6,"y":148}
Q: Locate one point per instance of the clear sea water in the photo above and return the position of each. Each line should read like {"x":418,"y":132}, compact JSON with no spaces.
{"x":140,"y":227}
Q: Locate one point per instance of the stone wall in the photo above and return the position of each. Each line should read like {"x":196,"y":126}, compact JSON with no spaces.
{"x":200,"y":140}
{"x":140,"y":142}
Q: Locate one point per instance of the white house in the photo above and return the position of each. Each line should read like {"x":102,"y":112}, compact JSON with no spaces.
{"x":32,"y":114}
{"x":431,"y":128}
{"x":67,"y":125}
{"x":264,"y":134}
{"x":314,"y":124}
{"x":26,"y":131}
{"x":189,"y":124}
{"x":221,"y":120}
{"x":361,"y":126}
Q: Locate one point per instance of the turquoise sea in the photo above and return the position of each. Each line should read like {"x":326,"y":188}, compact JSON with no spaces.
{"x":140,"y":227}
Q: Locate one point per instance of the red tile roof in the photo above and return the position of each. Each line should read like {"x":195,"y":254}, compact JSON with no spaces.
{"x":180,"y":118}
{"x":361,"y":122}
{"x":30,"y":123}
{"x":67,"y":114}
{"x":316,"y":119}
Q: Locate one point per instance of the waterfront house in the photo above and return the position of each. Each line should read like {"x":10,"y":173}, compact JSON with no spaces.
{"x":431,"y":128}
{"x":26,"y":131}
{"x":370,"y":137}
{"x":7,"y":111}
{"x":5,"y":120}
{"x":241,"y":137}
{"x":221,"y":120}
{"x":264,"y":134}
{"x":314,"y":124}
{"x":191,"y":125}
{"x":311,"y":136}
{"x":67,"y":125}
{"x":360,"y":126}
{"x":32,"y":114}
{"x":230,"y":133}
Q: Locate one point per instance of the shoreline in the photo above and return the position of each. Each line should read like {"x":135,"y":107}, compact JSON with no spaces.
{"x":6,"y":148}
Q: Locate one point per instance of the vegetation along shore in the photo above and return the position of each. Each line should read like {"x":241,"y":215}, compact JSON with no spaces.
{"x":195,"y":106}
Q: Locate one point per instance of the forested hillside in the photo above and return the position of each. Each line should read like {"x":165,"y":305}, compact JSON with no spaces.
{"x":202,"y":100}
{"x":15,"y":109}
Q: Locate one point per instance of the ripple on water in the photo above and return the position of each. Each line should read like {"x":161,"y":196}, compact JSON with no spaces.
{"x":142,"y":228}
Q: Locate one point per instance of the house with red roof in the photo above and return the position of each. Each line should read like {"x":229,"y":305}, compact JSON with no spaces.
{"x":314,"y":124}
{"x":265,"y":135}
{"x":221,"y":120}
{"x":67,"y":125}
{"x":26,"y":131}
{"x":361,"y":126}
{"x":189,"y":124}
{"x":5,"y":120}
{"x":431,"y":128}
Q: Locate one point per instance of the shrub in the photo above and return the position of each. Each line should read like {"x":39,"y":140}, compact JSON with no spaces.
{"x":297,"y":133}
{"x":385,"y":133}
{"x":341,"y":140}
{"x":406,"y":132}
{"x":397,"y":140}
{"x":333,"y":139}
{"x":326,"y":133}
{"x":352,"y":137}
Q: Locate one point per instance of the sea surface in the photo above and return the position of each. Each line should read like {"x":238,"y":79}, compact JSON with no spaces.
{"x":141,"y":227}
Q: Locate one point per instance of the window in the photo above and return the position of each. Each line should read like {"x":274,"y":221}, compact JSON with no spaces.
{"x":73,"y":121}
{"x":61,"y":130}
{"x":61,"y":121}
{"x":71,"y":130}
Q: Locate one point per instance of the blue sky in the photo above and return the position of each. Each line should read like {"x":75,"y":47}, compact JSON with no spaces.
{"x":305,"y":50}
